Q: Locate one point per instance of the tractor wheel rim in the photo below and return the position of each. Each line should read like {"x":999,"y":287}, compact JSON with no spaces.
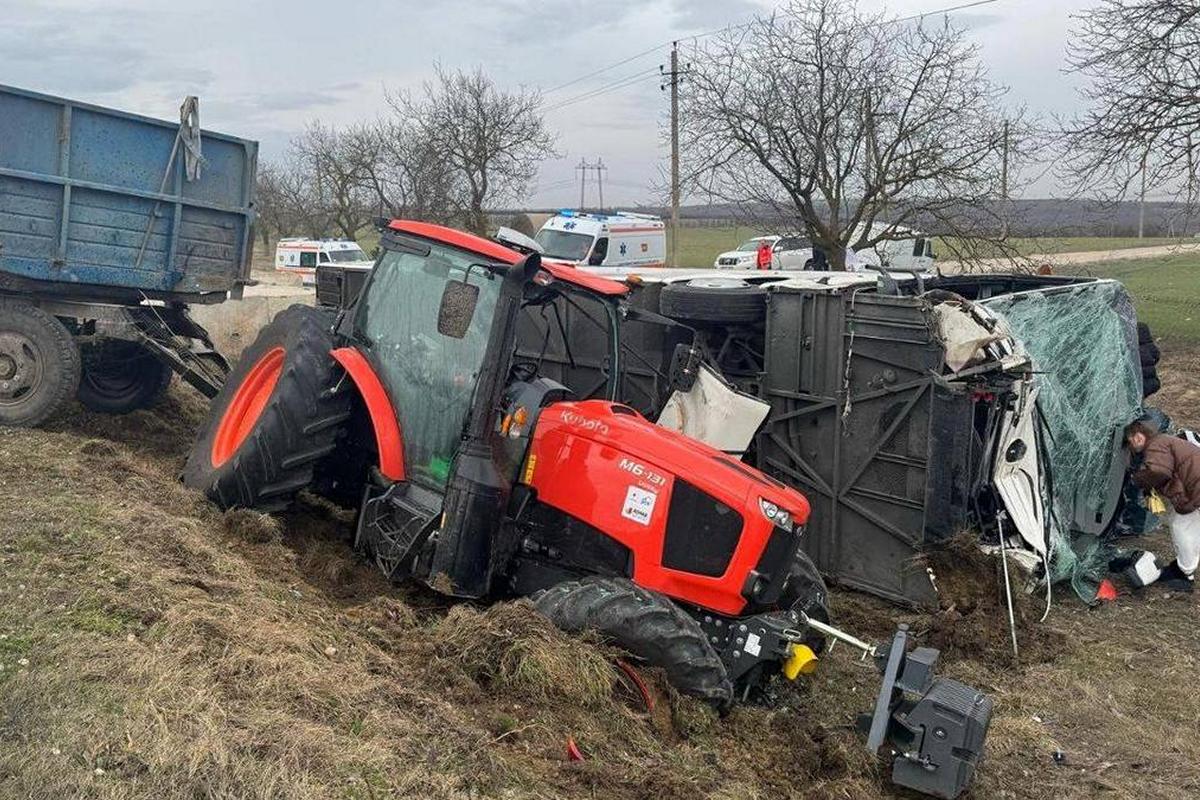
{"x":21,"y":369}
{"x":247,"y":406}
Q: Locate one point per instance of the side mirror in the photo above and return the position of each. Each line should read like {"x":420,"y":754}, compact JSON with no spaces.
{"x":457,"y":309}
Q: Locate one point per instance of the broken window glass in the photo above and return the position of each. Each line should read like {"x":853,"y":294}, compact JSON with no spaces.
{"x":1083,"y":342}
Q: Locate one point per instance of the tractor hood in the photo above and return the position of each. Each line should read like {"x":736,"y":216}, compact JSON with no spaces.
{"x":633,"y":436}
{"x":696,"y":520}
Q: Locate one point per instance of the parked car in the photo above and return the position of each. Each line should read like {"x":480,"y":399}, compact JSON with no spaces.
{"x":913,"y":253}
{"x":787,"y":252}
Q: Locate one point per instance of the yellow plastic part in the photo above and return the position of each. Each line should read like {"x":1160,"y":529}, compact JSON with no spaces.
{"x":1156,"y":504}
{"x":801,"y":661}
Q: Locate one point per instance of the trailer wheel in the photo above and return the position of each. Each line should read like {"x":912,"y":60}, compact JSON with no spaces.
{"x":120,"y":376}
{"x":39,"y":364}
{"x":646,"y":624}
{"x":720,"y":300}
{"x":278,"y":414}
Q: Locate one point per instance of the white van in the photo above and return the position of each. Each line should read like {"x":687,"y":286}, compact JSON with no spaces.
{"x":301,"y":256}
{"x":620,"y":239}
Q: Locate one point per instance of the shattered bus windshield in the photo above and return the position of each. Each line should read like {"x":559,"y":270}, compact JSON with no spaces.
{"x":430,"y":377}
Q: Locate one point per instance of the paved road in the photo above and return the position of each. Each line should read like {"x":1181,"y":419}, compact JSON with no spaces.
{"x":1093,"y":257}
{"x":278,"y":290}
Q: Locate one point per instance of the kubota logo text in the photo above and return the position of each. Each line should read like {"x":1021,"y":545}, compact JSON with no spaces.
{"x":580,"y":421}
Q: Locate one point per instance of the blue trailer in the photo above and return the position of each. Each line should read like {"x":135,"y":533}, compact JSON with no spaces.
{"x":111,"y":224}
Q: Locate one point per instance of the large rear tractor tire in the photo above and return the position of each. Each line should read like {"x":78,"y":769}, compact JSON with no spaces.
{"x":121,"y":376}
{"x":39,"y":364}
{"x":646,"y":624}
{"x":278,"y":414}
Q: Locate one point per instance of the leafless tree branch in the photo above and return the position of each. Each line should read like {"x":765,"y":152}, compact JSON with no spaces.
{"x":850,"y":127}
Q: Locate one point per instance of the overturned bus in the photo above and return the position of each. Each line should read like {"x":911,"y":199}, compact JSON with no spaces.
{"x":906,"y":409}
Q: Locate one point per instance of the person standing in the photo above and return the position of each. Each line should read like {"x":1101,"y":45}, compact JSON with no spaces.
{"x":1171,"y":466}
{"x":764,"y":254}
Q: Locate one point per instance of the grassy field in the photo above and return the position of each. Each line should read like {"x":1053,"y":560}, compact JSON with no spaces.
{"x":1166,"y":292}
{"x":698,"y":247}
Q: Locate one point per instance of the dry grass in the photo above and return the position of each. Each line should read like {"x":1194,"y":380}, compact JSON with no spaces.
{"x":155,"y":648}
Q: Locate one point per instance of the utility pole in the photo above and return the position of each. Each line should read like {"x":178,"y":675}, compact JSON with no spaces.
{"x":1004,"y":183}
{"x":672,"y":77}
{"x":1142,"y":201}
{"x":583,"y":170}
{"x":600,"y":170}
{"x":1004,"y":164}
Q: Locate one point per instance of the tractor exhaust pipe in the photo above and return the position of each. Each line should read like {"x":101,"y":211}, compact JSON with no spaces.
{"x":478,"y":491}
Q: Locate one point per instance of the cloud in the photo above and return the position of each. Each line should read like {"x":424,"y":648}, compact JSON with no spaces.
{"x":701,"y":15}
{"x":300,"y":99}
{"x":968,"y":20}
{"x":97,"y":54}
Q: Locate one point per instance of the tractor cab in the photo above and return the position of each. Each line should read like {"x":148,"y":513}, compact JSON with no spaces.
{"x":504,"y":470}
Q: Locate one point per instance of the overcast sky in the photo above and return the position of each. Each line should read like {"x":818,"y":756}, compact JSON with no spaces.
{"x":262,"y":68}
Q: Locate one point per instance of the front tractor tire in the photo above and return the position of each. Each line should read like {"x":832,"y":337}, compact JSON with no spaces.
{"x":647,"y":625}
{"x":277,"y":416}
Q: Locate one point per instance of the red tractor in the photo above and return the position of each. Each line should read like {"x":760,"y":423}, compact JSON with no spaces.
{"x":484,"y":479}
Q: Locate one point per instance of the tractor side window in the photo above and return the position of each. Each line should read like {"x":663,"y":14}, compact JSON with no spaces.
{"x":308,"y":259}
{"x":429,"y":377}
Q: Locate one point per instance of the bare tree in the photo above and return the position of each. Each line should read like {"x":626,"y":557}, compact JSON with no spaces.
{"x":406,"y":174}
{"x":340,"y":169}
{"x":493,"y":139}
{"x":849,"y":127}
{"x":1142,"y":62}
{"x":288,"y":201}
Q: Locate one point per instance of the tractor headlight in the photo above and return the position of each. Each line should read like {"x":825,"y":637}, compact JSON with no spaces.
{"x":780,"y":517}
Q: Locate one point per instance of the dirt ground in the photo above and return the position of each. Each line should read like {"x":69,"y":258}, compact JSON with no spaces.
{"x":151,"y":647}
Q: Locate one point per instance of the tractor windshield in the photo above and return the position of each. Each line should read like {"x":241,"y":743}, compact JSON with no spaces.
{"x":429,"y":376}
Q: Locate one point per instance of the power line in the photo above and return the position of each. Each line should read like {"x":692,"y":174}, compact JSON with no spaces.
{"x":602,"y":70}
{"x":734,"y":26}
{"x":620,"y":83}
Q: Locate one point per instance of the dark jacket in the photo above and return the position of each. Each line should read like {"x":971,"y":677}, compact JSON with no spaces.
{"x":1172,"y":466}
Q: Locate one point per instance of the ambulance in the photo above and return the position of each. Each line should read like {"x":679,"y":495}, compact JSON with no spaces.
{"x":303,"y":256}
{"x":619,"y":239}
